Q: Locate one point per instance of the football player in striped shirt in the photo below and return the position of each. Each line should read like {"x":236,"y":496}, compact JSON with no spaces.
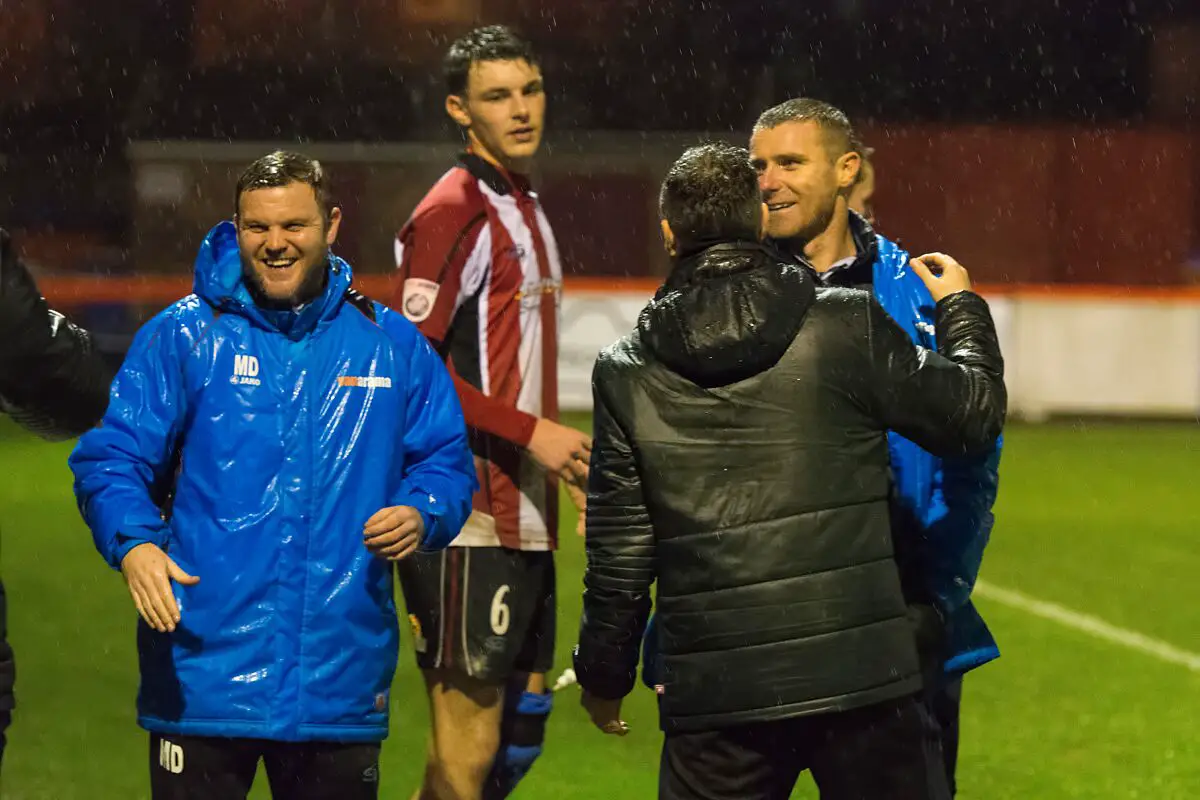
{"x":479,"y":274}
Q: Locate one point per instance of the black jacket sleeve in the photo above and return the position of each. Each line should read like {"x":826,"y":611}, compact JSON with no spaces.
{"x":953,"y":402}
{"x":620,"y":560}
{"x":52,"y":381}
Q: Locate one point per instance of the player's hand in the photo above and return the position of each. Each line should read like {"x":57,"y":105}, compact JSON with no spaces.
{"x":605,"y":714}
{"x":579,"y":498}
{"x":561,"y":450}
{"x":148,"y":573}
{"x":941,"y":274}
{"x":394,"y":533}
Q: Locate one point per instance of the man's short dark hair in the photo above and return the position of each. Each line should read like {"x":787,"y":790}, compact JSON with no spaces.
{"x":840,"y":136}
{"x":281,"y":168}
{"x":490,"y":43}
{"x":711,"y":194}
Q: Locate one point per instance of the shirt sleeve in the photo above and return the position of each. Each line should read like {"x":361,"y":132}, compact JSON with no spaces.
{"x":432,"y":252}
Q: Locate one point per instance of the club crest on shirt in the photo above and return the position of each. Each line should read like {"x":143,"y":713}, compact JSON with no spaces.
{"x":417,"y":298}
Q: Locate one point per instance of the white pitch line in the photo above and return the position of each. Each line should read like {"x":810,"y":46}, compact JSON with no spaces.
{"x":1092,"y":625}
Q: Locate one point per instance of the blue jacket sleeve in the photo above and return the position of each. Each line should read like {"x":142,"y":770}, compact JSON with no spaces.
{"x":957,"y":529}
{"x":955,"y":510}
{"x":122,"y":466}
{"x":439,"y":469}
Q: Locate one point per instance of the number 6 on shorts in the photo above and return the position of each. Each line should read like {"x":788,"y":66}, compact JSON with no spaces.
{"x":500,"y":612}
{"x":488,"y":611}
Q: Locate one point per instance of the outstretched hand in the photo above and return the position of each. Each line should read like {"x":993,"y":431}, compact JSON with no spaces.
{"x":148,"y":573}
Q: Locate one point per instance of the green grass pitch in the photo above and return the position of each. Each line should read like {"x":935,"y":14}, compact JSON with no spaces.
{"x":1102,"y":519}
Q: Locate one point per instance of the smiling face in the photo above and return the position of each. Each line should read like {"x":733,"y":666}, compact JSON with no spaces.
{"x":284,"y":239}
{"x":503,"y":110}
{"x":800,"y":179}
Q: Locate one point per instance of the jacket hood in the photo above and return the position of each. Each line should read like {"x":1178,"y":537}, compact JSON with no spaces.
{"x":219,"y":281}
{"x":727,"y":313}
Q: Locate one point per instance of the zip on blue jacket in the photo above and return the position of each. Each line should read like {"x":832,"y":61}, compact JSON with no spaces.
{"x":275,"y":435}
{"x":942,"y":508}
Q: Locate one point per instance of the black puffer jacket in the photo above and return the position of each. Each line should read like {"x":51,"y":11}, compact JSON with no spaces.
{"x":740,"y":460}
{"x":52,"y":382}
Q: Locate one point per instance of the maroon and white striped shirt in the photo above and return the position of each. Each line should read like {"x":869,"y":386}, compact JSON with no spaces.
{"x":479,"y":274}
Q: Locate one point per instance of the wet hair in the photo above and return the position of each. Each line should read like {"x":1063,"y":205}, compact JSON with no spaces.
{"x":490,"y":43}
{"x":281,"y":168}
{"x":711,"y":193}
{"x":840,"y":136}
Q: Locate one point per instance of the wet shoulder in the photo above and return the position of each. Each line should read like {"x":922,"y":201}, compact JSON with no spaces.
{"x":891,"y":256}
{"x":450,"y":201}
{"x":187,"y":318}
{"x":841,"y":299}
{"x":621,"y":358}
{"x":840,"y":313}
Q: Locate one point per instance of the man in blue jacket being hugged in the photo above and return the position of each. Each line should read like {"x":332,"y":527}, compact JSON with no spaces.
{"x":809,"y":161}
{"x":274,"y":442}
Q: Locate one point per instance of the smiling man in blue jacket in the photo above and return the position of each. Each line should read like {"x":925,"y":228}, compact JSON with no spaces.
{"x":810,"y":166}
{"x":809,"y":162}
{"x":274,"y":442}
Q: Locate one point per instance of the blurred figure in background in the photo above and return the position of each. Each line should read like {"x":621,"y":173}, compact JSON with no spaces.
{"x":864,"y":188}
{"x":52,"y":382}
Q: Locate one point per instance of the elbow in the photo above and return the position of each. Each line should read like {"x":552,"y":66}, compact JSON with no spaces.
{"x":50,"y":426}
{"x":989,"y":420}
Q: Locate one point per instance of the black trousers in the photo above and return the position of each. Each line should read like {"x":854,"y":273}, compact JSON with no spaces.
{"x":942,"y":695}
{"x":888,"y":751}
{"x":5,"y":722}
{"x":945,"y":703}
{"x":203,"y":768}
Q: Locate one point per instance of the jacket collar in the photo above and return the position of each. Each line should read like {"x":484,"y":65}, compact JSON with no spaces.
{"x":500,"y":181}
{"x":706,"y":259}
{"x":859,"y":271}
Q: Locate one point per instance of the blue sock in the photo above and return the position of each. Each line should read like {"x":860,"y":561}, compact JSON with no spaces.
{"x":522,"y":732}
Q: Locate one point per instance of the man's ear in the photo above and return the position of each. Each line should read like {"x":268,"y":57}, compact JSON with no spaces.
{"x":847,"y":169}
{"x":335,"y":223}
{"x":669,"y":239}
{"x":456,"y":107}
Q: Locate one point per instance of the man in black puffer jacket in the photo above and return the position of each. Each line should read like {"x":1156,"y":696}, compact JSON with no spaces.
{"x":52,"y":382}
{"x":740,"y":460}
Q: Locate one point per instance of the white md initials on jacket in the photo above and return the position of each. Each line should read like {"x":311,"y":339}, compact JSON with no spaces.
{"x":245,"y":371}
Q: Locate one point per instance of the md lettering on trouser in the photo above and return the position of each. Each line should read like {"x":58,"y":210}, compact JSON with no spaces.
{"x":170,"y":757}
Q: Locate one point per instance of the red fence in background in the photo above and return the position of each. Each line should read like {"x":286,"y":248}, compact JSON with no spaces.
{"x":1043,"y":204}
{"x":67,"y":293}
{"x":1016,"y":205}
